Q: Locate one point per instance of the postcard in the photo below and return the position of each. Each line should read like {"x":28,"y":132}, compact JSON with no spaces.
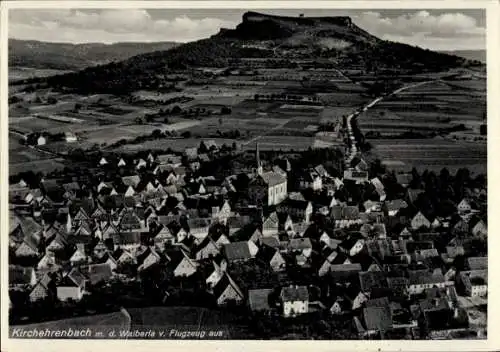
{"x":231,"y":175}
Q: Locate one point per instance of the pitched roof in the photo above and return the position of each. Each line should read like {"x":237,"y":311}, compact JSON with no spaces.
{"x":294,"y":293}
{"x":372,"y":279}
{"x":300,"y":243}
{"x":133,"y":180}
{"x":237,"y":251}
{"x":259,"y":299}
{"x":19,"y":275}
{"x":419,"y":277}
{"x":377,"y":318}
{"x":273,"y":178}
{"x":477,"y":263}
{"x":98,"y":272}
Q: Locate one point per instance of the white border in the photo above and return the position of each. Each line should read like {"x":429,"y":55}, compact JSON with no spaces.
{"x":493,"y":49}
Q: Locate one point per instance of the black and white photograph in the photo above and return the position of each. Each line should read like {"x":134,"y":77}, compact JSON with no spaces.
{"x":247,"y":174}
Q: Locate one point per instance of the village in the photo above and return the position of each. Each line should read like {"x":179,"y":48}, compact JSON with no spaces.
{"x":393,"y":255}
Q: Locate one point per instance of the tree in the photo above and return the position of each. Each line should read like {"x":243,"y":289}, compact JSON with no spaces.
{"x":52,"y":100}
{"x":157,"y":134}
{"x":220,"y":121}
{"x":186,"y":134}
{"x":225,"y":110}
{"x":176,"y":109}
{"x":77,"y":107}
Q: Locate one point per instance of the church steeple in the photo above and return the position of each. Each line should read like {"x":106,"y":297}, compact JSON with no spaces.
{"x":257,"y":155}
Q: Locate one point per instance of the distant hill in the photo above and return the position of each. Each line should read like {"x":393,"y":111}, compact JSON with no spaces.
{"x":62,"y":56}
{"x":479,"y":55}
{"x":276,"y":38}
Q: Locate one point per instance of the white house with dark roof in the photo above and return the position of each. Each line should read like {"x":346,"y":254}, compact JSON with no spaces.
{"x":294,"y":300}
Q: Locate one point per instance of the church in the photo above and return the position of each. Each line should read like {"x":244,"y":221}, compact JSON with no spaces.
{"x":267,"y":188}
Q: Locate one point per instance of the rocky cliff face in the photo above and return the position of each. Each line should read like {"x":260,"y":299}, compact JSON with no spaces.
{"x":297,"y":30}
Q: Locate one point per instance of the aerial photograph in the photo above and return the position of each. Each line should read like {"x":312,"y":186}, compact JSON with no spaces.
{"x":264,"y":174}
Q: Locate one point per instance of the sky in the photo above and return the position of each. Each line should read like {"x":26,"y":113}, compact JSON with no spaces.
{"x":449,"y":29}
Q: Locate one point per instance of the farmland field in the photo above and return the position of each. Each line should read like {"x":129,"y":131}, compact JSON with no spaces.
{"x":44,"y":166}
{"x":432,"y":154}
{"x":176,"y":144}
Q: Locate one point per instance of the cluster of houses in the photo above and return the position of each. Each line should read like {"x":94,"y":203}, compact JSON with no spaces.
{"x":383,"y":262}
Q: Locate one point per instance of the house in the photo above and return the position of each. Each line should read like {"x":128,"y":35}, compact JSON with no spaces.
{"x":217,"y":273}
{"x":72,"y":286}
{"x":340,"y":306}
{"x":21,"y":276}
{"x":47,"y":262}
{"x":335,"y":258}
{"x":452,"y":252}
{"x":374,"y":320}
{"x":301,"y":210}
{"x":140,"y":164}
{"x":420,"y":221}
{"x":479,"y":229}
{"x":41,"y":140}
{"x":149,"y":258}
{"x":294,"y":300}
{"x":226,"y":291}
{"x":269,"y":188}
{"x":221,"y":211}
{"x":121,"y":163}
{"x":207,"y":249}
{"x":272,"y":257}
{"x":259,"y":299}
{"x":398,"y":285}
{"x":163,"y":238}
{"x":79,"y":256}
{"x":352,"y":246}
{"x":127,"y":240}
{"x":191,"y":153}
{"x":464,"y":206}
{"x":103,"y":161}
{"x":270,"y":226}
{"x":240,"y":251}
{"x":42,"y":289}
{"x":475,"y":282}
{"x":133,"y":180}
{"x":394,"y":206}
{"x":70,"y":137}
{"x":97,"y":273}
{"x":236,"y":223}
{"x":369,"y":280}
{"x":477,"y":263}
{"x":310,"y":179}
{"x":355,"y":175}
{"x":198,"y":227}
{"x":28,"y":248}
{"x":404,"y":179}
{"x":183,"y":265}
{"x":419,"y":280}
{"x":301,"y":245}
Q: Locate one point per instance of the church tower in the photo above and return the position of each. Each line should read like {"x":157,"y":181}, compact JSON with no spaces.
{"x":257,"y":155}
